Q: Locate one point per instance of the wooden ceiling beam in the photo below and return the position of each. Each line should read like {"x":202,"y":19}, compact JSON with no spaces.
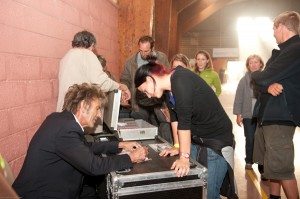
{"x":198,"y":12}
{"x":183,"y":4}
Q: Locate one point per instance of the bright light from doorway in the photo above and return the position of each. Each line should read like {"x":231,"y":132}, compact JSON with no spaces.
{"x":255,"y":36}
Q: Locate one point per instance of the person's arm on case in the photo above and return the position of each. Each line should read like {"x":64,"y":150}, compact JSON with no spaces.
{"x":175,"y":149}
{"x":71,"y":147}
{"x":182,"y":165}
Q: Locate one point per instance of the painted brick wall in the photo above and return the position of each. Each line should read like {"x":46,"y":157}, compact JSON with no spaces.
{"x":34,"y":36}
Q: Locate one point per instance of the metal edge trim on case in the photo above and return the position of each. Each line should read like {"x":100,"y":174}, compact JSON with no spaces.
{"x":151,"y":176}
{"x":160,"y":187}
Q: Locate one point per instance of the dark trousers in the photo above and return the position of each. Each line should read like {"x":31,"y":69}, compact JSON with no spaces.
{"x":249,"y":131}
{"x":93,"y":187}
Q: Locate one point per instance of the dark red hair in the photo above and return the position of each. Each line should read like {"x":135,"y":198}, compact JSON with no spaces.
{"x":152,"y":68}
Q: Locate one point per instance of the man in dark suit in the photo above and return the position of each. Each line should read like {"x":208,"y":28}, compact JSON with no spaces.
{"x":59,"y":155}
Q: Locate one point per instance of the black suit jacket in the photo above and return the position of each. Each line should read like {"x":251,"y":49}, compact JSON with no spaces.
{"x":59,"y":155}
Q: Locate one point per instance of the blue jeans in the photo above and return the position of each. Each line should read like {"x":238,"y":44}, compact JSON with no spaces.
{"x":194,"y":148}
{"x":217,"y":168}
{"x":249,"y":131}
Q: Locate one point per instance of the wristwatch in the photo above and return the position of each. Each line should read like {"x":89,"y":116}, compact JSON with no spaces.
{"x":185,"y":155}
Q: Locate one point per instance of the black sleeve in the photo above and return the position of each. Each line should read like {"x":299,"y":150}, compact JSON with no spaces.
{"x":284,"y":66}
{"x":183,"y":92}
{"x":105,"y":147}
{"x":72,"y":147}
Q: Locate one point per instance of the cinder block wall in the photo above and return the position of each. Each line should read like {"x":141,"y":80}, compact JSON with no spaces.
{"x":34,"y":36}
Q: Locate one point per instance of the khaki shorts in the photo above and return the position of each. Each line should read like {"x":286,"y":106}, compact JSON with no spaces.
{"x":277,"y":152}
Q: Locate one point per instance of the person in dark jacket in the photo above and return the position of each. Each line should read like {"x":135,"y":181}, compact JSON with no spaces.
{"x":59,"y":155}
{"x":278,"y":108}
{"x":152,"y":111}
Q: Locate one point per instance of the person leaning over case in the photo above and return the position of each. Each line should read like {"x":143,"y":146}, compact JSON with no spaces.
{"x":181,"y":60}
{"x":59,"y":155}
{"x":199,"y":114}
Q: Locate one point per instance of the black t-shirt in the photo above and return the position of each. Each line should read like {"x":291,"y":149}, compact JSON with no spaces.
{"x":197,"y":108}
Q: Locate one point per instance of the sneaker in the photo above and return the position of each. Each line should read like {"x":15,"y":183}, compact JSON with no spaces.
{"x":263,"y":177}
{"x":248,"y":166}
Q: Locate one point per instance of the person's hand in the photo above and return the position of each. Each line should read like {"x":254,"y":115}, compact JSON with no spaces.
{"x":125,"y":104}
{"x":173,"y":151}
{"x":139,"y":155}
{"x":129,"y":146}
{"x":181,"y":166}
{"x":275,"y":89}
{"x":239,"y":120}
{"x":126,"y":95}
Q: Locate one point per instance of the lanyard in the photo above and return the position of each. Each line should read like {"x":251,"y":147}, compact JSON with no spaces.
{"x":172,"y":100}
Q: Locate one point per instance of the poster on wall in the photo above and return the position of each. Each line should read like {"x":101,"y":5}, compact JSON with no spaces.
{"x":225,"y":52}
